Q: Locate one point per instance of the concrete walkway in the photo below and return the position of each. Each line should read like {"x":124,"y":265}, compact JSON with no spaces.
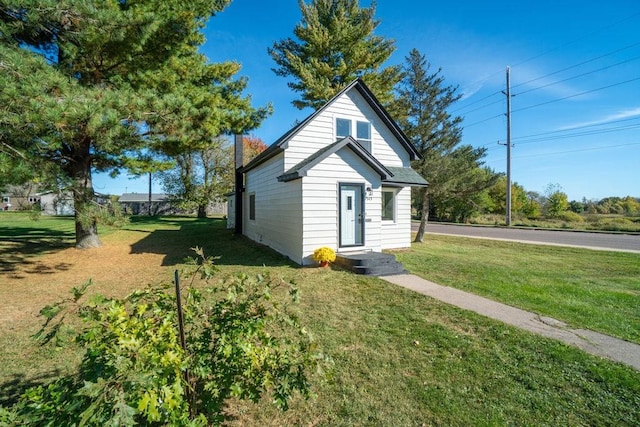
{"x":589,"y":341}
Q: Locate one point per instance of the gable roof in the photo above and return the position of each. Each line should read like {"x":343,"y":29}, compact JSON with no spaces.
{"x":301,"y":169}
{"x":366,"y":93}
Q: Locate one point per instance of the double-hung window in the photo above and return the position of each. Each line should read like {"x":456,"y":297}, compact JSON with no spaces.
{"x":343,"y":128}
{"x":363,"y":134}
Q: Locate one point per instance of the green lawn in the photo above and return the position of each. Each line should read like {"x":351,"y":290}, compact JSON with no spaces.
{"x":399,"y":358}
{"x":596,"y":290}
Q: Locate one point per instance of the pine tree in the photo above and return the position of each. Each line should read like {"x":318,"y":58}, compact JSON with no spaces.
{"x":452,"y":170}
{"x":335,"y":44}
{"x":94,"y":85}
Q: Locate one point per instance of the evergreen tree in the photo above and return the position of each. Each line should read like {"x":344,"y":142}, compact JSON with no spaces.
{"x":94,"y":85}
{"x":452,"y":171}
{"x":335,"y":45}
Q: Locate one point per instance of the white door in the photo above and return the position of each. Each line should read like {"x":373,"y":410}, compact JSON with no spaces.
{"x":351,"y":224}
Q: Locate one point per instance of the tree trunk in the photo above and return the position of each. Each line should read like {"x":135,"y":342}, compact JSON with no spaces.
{"x":202,"y":211}
{"x":423,"y":217}
{"x":79,"y":170}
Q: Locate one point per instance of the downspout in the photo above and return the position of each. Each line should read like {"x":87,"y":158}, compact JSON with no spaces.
{"x":239,"y":181}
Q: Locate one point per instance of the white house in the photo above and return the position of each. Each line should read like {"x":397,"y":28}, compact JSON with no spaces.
{"x":341,"y":178}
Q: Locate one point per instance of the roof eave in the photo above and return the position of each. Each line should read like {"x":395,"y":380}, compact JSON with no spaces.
{"x":388,"y":120}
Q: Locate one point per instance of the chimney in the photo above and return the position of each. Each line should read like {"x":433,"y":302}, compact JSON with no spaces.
{"x":239,"y":180}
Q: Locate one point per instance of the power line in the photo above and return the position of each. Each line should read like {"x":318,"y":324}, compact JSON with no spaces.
{"x":579,"y":150}
{"x":475,"y":102}
{"x":579,"y":75}
{"x":587,"y":133}
{"x":568,"y":151}
{"x":578,"y":39}
{"x":532,"y":138}
{"x":485,"y":120}
{"x":484,"y":106}
{"x":575,"y":95}
{"x":579,"y":64}
{"x":579,"y":127}
{"x":543,"y":54}
{"x":547,"y":85}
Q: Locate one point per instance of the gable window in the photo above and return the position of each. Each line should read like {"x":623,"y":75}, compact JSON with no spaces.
{"x":343,"y":128}
{"x":363,"y":134}
{"x":388,"y":205}
{"x":252,"y":207}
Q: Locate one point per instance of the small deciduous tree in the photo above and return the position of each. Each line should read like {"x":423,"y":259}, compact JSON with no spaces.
{"x":252,"y":146}
{"x":335,"y":45}
{"x":497,"y":192}
{"x":204,"y":175}
{"x":240,"y":341}
{"x":556,"y":201}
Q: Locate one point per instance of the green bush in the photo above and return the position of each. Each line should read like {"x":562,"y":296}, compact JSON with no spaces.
{"x":617,"y":224}
{"x":570,"y":216}
{"x":239,"y":342}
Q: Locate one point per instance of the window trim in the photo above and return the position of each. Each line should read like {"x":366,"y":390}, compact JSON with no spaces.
{"x":252,"y":206}
{"x":353,"y":131}
{"x":394,"y":194}
{"x":366,"y":143}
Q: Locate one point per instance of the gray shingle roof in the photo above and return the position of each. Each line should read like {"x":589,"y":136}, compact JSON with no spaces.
{"x":405,"y":176}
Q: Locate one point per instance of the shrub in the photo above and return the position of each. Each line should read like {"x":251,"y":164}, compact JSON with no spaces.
{"x":135,"y":370}
{"x":570,"y":216}
{"x":617,"y":224}
{"x":324,"y":254}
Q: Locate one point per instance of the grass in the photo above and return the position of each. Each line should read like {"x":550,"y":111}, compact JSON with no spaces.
{"x":589,"y":289}
{"x":400,"y":359}
{"x":571,"y":221}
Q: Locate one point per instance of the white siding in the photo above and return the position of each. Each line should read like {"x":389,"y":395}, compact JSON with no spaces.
{"x":321,"y":216}
{"x":320,"y":132}
{"x":299,"y":216}
{"x":278,"y":211}
{"x":397,"y":234}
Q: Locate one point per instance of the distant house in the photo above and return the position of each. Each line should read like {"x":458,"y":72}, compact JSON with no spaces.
{"x":341,"y":178}
{"x":138,"y":204}
{"x":18,"y":198}
{"x":56,"y":203}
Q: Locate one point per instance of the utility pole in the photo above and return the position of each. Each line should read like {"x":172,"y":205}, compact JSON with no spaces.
{"x":149,"y":193}
{"x":508,"y":204}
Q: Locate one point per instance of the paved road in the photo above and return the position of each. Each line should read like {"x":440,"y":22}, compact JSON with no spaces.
{"x":616,"y":242}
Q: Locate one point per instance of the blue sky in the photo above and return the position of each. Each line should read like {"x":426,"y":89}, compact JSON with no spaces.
{"x":575,"y":74}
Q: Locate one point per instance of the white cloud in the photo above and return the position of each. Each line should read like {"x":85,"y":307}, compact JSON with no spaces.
{"x":620,"y":115}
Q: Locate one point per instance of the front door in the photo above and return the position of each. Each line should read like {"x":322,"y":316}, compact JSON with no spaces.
{"x":351,"y":215}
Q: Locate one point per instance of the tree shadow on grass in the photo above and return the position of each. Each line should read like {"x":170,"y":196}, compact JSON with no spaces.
{"x":15,"y":386}
{"x":216,"y":240}
{"x":19,"y":245}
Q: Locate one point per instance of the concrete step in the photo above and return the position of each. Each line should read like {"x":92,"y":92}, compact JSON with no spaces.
{"x":370,"y":263}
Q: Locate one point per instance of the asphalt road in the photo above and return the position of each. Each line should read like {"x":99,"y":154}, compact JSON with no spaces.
{"x":616,"y":242}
